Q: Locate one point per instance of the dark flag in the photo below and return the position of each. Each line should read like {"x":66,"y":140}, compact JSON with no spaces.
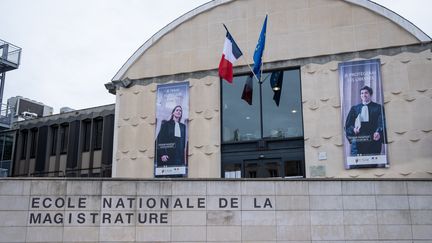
{"x":276,"y":80}
{"x":248,"y":90}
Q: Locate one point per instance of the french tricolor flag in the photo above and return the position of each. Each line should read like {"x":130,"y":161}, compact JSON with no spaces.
{"x":231,"y":53}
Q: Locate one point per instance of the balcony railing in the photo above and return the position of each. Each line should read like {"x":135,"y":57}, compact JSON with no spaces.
{"x":10,"y":56}
{"x":6,"y":116}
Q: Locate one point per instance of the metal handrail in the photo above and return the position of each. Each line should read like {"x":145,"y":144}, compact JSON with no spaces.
{"x":13,"y":54}
{"x":6,"y":115}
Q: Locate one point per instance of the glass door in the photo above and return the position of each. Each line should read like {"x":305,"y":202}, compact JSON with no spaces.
{"x":262,"y":168}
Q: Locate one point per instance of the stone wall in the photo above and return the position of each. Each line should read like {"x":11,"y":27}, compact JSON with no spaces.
{"x":296,"y":29}
{"x":314,"y":35}
{"x":215,"y":210}
{"x":407,"y":87}
{"x":135,"y":128}
{"x":407,"y":91}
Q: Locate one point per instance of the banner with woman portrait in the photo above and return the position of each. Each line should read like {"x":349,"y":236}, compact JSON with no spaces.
{"x":171,"y":142}
{"x":363,"y":118}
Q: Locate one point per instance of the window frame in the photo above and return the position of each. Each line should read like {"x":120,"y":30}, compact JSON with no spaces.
{"x":261,"y":125}
{"x":87,"y":127}
{"x":53,"y":139}
{"x":33,"y":142}
{"x":97,"y":133}
{"x":24,"y":142}
{"x":288,"y":149}
{"x":64,"y":138}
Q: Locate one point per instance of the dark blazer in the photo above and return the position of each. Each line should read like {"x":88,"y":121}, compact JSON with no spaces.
{"x":168,"y":144}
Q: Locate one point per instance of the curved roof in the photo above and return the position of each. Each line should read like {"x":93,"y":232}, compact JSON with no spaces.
{"x":372,"y":6}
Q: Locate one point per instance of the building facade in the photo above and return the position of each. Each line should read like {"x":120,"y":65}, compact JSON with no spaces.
{"x":71,"y":144}
{"x":301,"y":137}
{"x":171,"y":86}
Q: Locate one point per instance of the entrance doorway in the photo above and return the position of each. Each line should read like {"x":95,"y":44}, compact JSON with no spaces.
{"x":262,"y":168}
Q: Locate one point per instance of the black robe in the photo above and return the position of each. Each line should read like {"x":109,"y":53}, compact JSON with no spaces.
{"x":168,"y":144}
{"x":363,"y":143}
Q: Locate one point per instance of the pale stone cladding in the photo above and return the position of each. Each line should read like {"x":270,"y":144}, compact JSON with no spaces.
{"x":314,"y":35}
{"x":215,"y":210}
{"x":407,"y":90}
{"x":296,"y":29}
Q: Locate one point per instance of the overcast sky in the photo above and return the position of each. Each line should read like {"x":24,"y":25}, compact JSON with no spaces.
{"x":72,"y":48}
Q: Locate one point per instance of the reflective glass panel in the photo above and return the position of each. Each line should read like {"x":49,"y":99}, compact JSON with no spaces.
{"x":241,"y":121}
{"x":283,"y":120}
{"x":8,"y":146}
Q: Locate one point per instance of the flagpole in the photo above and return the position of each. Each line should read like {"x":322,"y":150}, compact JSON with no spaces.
{"x":250,"y":68}
{"x":260,"y":83}
{"x":261,"y":106}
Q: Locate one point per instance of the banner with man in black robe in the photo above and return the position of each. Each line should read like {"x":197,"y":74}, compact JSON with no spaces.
{"x":365,"y":140}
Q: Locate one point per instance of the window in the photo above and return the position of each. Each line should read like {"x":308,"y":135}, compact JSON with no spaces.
{"x":97,"y":133}
{"x":266,"y":119}
{"x":24,"y":135}
{"x":2,"y":141}
{"x":264,"y":138}
{"x":87,"y":135}
{"x":8,"y":146}
{"x":54,"y":135}
{"x":232,"y":170}
{"x":263,"y":168}
{"x":64,"y":136}
{"x":286,"y":119}
{"x":33,"y":142}
{"x":5,"y":167}
{"x":292,"y":168}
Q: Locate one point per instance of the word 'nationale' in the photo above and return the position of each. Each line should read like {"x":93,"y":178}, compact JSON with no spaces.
{"x":83,"y":210}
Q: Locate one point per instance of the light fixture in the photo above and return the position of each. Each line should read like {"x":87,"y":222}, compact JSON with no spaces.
{"x":126,"y":83}
{"x":294,"y":111}
{"x":276,"y":88}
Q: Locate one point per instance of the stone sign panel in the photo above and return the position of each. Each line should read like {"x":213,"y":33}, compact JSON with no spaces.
{"x":214,"y":211}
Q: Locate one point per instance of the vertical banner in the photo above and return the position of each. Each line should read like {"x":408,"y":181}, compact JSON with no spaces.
{"x":365,"y":140}
{"x":172,"y":116}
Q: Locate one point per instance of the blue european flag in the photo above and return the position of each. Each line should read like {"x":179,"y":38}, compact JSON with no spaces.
{"x":259,"y":51}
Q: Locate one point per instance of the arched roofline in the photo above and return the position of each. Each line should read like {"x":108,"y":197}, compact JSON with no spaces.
{"x":374,"y":7}
{"x":393,"y":16}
